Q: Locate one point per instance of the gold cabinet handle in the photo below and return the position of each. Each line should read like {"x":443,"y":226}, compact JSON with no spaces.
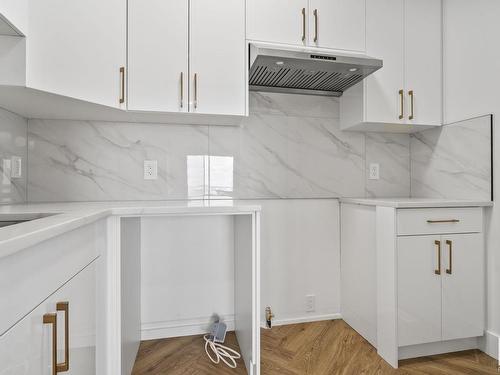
{"x":64,"y":307}
{"x":401,"y":95}
{"x":52,"y":319}
{"x":410,"y":93}
{"x":303,"y":24}
{"x":182,"y":89}
{"x":195,"y":90}
{"x":315,"y":25}
{"x":450,"y":254}
{"x":122,"y":85}
{"x":438,"y":270}
{"x":443,"y":221}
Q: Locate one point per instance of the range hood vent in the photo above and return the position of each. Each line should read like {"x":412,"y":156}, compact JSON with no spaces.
{"x":302,"y":72}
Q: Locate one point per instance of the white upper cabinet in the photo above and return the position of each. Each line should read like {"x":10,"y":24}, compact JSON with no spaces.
{"x":218,"y":79}
{"x":384,"y":40}
{"x":78,"y":49}
{"x":13,"y":17}
{"x":335,"y":24}
{"x":158,"y":55}
{"x":160,"y":79}
{"x":423,"y":62}
{"x":278,"y":21}
{"x":406,"y":93}
{"x":338,"y":24}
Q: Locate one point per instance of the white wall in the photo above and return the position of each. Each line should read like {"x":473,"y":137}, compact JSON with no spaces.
{"x":187,"y":274}
{"x":188,"y":270}
{"x":300,"y":243}
{"x":472,"y":82}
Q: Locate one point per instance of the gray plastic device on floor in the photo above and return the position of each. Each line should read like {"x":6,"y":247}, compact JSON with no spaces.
{"x":218,"y":332}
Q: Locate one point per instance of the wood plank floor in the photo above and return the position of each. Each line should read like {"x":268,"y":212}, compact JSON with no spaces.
{"x":321,"y":348}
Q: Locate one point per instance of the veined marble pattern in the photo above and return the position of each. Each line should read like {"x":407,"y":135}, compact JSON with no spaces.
{"x":290,"y":146}
{"x":13,"y":134}
{"x":453,"y":161}
{"x":289,"y":157}
{"x":77,"y":160}
{"x":392,"y":152}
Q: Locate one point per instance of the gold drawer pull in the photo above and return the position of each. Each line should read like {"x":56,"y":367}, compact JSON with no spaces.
{"x":315,"y":25}
{"x":410,"y":93}
{"x":122,"y":85}
{"x":450,"y":254}
{"x":52,"y":319}
{"x":443,"y":221}
{"x":401,"y":96}
{"x":64,"y":307}
{"x":438,"y":270}
{"x":303,"y":24}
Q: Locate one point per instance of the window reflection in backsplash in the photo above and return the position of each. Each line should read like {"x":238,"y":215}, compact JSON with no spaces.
{"x":209,"y":176}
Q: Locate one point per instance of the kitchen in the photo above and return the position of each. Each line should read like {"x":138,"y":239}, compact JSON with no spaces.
{"x":329,"y":160}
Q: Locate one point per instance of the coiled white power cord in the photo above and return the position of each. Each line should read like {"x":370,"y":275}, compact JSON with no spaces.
{"x":221,"y":352}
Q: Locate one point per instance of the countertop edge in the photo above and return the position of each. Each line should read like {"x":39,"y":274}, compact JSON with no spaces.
{"x":65,"y":221}
{"x":449,"y":203}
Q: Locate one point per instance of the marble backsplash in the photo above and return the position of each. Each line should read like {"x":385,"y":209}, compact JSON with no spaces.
{"x":453,"y":161}
{"x":13,"y":136}
{"x":290,"y":146}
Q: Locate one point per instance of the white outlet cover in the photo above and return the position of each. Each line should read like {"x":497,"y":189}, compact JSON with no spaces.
{"x":150,"y":169}
{"x":310,"y":303}
{"x":374,"y":171}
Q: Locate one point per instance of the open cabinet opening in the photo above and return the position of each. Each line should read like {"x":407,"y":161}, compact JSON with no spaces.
{"x":178,"y":275}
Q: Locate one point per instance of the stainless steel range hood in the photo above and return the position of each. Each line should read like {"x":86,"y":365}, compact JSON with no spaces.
{"x":305,"y":71}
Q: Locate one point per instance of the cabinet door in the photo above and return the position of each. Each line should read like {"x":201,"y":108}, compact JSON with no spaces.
{"x":419,"y":290}
{"x":338,"y":24}
{"x":423,"y":61}
{"x":277,"y":21}
{"x":463,"y":286}
{"x":158,"y":55}
{"x":76,"y":49}
{"x":384,"y":40}
{"x":26,"y":349}
{"x":217,"y":57}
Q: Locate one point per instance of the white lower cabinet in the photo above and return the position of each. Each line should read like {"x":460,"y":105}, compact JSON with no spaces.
{"x":67,"y":319}
{"x":414,"y":283}
{"x":440,"y":288}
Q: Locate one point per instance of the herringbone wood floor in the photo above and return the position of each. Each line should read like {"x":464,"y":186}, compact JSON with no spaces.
{"x":322,"y":348}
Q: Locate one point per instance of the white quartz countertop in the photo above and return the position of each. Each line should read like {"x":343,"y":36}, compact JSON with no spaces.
{"x":70,"y":216}
{"x":416,"y":202}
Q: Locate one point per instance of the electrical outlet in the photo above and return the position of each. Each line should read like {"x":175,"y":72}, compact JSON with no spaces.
{"x":16,"y":170}
{"x":374,"y":171}
{"x":150,"y":169}
{"x":310,"y":303}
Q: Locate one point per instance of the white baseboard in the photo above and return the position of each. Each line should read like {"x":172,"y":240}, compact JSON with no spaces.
{"x":441,"y":347}
{"x":179,"y":328}
{"x":490,"y":344}
{"x":303,"y":319}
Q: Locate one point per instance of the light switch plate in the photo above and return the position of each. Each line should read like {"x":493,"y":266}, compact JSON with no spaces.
{"x":16,"y":167}
{"x":150,"y":169}
{"x":374,"y":171}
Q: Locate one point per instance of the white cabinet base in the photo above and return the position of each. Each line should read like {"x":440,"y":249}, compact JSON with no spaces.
{"x":418,"y":301}
{"x":442,"y":347}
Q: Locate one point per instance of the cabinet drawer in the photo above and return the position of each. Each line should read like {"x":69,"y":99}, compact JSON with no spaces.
{"x":439,"y":220}
{"x":29,"y":276}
